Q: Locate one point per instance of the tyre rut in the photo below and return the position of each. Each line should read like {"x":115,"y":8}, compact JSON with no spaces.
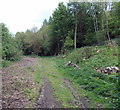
{"x":46,"y":98}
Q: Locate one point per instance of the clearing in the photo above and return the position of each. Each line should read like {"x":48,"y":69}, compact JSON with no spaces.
{"x":37,"y":83}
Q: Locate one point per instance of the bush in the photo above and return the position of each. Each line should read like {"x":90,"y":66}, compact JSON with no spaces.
{"x":10,"y":49}
{"x":5,"y":63}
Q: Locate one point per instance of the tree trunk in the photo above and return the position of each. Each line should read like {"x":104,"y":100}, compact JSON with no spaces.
{"x":95,"y":22}
{"x":107,"y":28}
{"x":75,"y":35}
{"x":58,"y":46}
{"x":103,"y":29}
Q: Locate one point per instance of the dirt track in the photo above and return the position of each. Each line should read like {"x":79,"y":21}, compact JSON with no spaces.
{"x":46,"y":98}
{"x":12,"y":94}
{"x":16,"y":78}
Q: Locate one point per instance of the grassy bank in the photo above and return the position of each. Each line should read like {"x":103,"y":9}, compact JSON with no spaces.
{"x":98,"y":87}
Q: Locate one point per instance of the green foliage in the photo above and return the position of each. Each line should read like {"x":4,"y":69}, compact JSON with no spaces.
{"x":27,"y":91}
{"x":80,"y":54}
{"x":62,"y":26}
{"x":113,"y":78}
{"x":5,"y":63}
{"x":35,"y":41}
{"x":89,"y":38}
{"x":44,"y":38}
{"x":9,"y":46}
{"x":68,"y":43}
{"x":57,"y":35}
{"x":104,"y":87}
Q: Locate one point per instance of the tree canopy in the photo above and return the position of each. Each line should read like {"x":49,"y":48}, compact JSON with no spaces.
{"x":75,"y":24}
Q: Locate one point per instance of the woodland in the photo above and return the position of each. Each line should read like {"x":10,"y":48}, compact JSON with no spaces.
{"x":82,"y":38}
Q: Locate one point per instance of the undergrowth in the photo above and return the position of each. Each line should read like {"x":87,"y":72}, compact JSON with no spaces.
{"x":104,"y":88}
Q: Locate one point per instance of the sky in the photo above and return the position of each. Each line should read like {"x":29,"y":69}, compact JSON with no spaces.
{"x":20,"y":15}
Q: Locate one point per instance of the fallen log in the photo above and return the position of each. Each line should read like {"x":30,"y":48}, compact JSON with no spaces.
{"x":72,"y":64}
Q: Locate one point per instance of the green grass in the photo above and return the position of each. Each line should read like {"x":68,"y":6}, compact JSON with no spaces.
{"x":33,"y":92}
{"x":5,"y":63}
{"x":27,"y":91}
{"x":37,"y":76}
{"x":50,"y":70}
{"x":93,"y":85}
{"x":17,"y":83}
{"x":98,"y":88}
{"x":61,"y":93}
{"x":90,"y":84}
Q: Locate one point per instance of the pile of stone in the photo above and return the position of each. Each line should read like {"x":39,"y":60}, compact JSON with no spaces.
{"x":108,"y":70}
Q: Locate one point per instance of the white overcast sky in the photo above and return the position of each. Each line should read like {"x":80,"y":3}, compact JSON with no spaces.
{"x":20,"y":15}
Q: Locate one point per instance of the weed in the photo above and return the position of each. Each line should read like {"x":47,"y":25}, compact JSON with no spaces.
{"x":27,"y":91}
{"x":5,"y":63}
{"x":37,"y":75}
{"x":17,"y":83}
{"x":96,"y":85}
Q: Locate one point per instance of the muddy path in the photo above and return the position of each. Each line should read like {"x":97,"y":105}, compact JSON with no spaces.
{"x":46,"y":98}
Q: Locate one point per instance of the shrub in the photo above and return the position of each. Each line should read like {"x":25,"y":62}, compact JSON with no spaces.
{"x":5,"y":63}
{"x":9,"y":46}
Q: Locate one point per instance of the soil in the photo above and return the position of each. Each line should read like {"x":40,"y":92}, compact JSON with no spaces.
{"x":14,"y":80}
{"x":46,"y":98}
{"x":12,"y":91}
